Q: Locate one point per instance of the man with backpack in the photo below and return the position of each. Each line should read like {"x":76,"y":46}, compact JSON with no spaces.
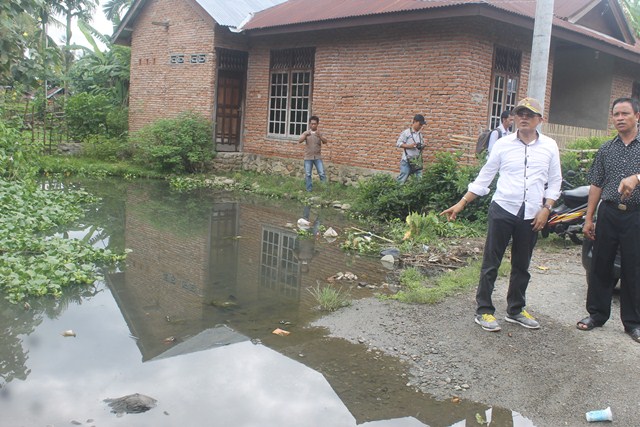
{"x":488,"y":138}
{"x":504,"y":129}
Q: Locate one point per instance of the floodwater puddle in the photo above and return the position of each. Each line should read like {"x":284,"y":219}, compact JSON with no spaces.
{"x":189,"y":324}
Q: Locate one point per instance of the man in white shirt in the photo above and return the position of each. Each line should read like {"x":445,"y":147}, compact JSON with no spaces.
{"x":504,"y":129}
{"x":526,"y":161}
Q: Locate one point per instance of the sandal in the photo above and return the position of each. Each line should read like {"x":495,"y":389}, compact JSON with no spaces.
{"x":587,"y":324}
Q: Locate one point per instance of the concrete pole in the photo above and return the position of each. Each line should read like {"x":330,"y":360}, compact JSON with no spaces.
{"x":540,"y":50}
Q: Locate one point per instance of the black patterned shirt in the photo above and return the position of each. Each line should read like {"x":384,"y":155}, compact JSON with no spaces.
{"x":615,"y":161}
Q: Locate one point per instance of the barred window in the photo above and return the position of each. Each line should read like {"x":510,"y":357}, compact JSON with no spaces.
{"x":504,"y":88}
{"x":279,"y":268}
{"x":232,"y":60}
{"x":290,"y":90}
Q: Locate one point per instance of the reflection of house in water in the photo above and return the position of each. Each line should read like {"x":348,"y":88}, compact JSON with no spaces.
{"x":218,"y":264}
{"x":279,"y":268}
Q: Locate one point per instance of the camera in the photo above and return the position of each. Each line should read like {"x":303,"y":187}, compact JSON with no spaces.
{"x":419,"y":145}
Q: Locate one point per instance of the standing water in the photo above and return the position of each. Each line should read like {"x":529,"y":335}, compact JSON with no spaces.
{"x":188,"y":325}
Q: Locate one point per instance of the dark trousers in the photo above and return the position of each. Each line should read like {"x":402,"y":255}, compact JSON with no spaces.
{"x":504,"y":226}
{"x":615,"y":229}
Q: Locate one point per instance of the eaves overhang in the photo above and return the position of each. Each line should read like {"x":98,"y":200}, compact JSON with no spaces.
{"x":122,"y":35}
{"x":561,"y":30}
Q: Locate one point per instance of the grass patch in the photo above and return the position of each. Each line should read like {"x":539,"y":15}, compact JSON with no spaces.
{"x":82,"y":166}
{"x":271,"y":186}
{"x":419,"y":289}
{"x":330,"y":298}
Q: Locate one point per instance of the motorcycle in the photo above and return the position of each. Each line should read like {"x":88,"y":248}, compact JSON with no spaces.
{"x":567,"y":219}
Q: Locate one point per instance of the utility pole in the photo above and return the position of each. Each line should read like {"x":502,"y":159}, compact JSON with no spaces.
{"x":540,"y":50}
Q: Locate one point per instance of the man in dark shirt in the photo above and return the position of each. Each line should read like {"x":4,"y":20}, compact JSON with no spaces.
{"x":614,"y":179}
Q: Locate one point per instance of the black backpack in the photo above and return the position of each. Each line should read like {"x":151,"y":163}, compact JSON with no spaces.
{"x":483,"y":139}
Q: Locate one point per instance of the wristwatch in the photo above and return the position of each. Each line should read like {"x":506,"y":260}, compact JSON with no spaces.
{"x":548,"y":206}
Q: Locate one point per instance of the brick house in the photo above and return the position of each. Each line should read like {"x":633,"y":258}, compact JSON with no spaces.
{"x":260,"y":68}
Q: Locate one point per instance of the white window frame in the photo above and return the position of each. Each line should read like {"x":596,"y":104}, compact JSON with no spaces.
{"x":290,"y":93}
{"x":504,"y":84}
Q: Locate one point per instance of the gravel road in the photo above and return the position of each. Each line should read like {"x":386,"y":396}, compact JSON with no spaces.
{"x":552,"y":375}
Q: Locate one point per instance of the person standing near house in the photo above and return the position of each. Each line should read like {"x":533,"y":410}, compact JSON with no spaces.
{"x":313,"y":140}
{"x":528,"y":165}
{"x":614,"y":178}
{"x":504,"y":129}
{"x":412,"y":143}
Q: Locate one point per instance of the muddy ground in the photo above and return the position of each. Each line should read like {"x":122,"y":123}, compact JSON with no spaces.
{"x":552,"y":375}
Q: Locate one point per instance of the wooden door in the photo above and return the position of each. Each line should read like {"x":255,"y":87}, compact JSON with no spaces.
{"x":229,"y":110}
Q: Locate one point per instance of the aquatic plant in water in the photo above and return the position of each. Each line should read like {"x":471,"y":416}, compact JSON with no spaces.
{"x":33,"y":262}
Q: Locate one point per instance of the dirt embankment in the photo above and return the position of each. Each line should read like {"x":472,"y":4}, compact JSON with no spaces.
{"x":551,"y":376}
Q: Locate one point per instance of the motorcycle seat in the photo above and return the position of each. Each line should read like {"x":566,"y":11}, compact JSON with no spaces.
{"x":576,"y":196}
{"x":582,"y":191}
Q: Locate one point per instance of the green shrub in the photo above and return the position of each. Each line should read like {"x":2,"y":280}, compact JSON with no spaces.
{"x":381,"y":198}
{"x":17,"y":154}
{"x":443,"y":182}
{"x":183,"y":144}
{"x":105,"y":148}
{"x":117,"y":121}
{"x":580,"y":161}
{"x":86,"y":115}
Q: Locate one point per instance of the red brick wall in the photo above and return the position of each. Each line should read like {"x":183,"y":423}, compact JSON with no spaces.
{"x":160,"y":89}
{"x":369,"y":82}
{"x":622,"y":85}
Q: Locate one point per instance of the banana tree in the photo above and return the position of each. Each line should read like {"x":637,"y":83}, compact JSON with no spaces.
{"x":70,"y":10}
{"x":102,"y":72}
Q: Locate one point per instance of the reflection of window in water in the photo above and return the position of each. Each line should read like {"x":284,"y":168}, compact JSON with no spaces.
{"x":279,"y":269}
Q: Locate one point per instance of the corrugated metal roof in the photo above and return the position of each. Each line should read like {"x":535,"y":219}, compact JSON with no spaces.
{"x":232,"y":13}
{"x":228,"y":13}
{"x":301,"y":11}
{"x":294,"y":12}
{"x":566,"y":9}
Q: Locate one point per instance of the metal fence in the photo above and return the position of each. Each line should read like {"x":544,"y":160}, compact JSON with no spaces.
{"x":564,"y":135}
{"x":46,"y":126}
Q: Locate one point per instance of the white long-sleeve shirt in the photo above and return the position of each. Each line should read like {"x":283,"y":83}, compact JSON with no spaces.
{"x":524,"y":170}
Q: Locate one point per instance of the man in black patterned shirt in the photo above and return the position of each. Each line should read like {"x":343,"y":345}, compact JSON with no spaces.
{"x":614,"y":178}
